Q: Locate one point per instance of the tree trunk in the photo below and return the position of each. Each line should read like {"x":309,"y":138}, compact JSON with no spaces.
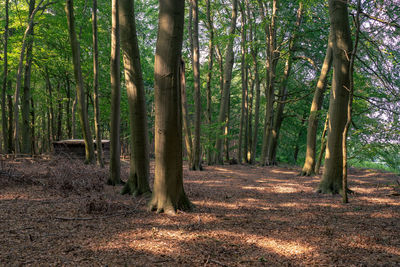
{"x":73,"y":116}
{"x":227,"y":78}
{"x":243,"y":69}
{"x":168,"y":195}
{"x":272,"y":60}
{"x":309,"y":164}
{"x":196,"y":164}
{"x":33,"y":134}
{"x":4,"y":89}
{"x":26,"y":96}
{"x":331,"y":181}
{"x":97,"y":129}
{"x":323,"y":145}
{"x":10,"y":121}
{"x":115,"y":145}
{"x":51,"y":129}
{"x":59,"y":113}
{"x":138,"y":182}
{"x":83,"y":116}
{"x":25,"y":42}
{"x":209,"y":76}
{"x":278,"y":116}
{"x":185,"y":114}
{"x":68,"y":111}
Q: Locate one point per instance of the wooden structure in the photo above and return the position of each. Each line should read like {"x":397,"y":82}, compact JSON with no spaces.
{"x":75,"y":148}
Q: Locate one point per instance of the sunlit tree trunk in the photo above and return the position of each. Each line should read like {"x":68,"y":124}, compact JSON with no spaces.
{"x":82,"y":109}
{"x":331,"y":181}
{"x":309,"y":164}
{"x":138,"y":182}
{"x":115,"y":145}
{"x":168,"y":195}
{"x":4,"y":88}
{"x":227,"y":78}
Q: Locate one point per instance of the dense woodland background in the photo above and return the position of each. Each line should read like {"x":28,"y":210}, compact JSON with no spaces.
{"x":47,"y":105}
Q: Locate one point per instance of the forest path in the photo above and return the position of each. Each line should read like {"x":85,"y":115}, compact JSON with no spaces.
{"x":59,"y":212}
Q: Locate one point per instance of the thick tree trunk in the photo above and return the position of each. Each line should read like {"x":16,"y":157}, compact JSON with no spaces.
{"x":209,"y":77}
{"x":97,"y":129}
{"x":26,"y":96}
{"x":4,"y":88}
{"x":138,"y":182}
{"x":309,"y":164}
{"x":278,"y":116}
{"x":185,"y":114}
{"x":331,"y":181}
{"x":168,"y":195}
{"x":196,"y":164}
{"x":227,"y":78}
{"x":115,"y":145}
{"x":83,"y":116}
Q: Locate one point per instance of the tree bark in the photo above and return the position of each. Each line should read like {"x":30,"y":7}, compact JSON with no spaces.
{"x":323,"y":145}
{"x":309,"y":164}
{"x":139,"y":163}
{"x":168,"y":195}
{"x":97,"y":128}
{"x":10,"y":121}
{"x":26,"y":96}
{"x":331,"y":181}
{"x":59,"y":113}
{"x":83,"y":116}
{"x":51,"y":129}
{"x":5,"y":77}
{"x":227,"y":78}
{"x":115,"y":145}
{"x":67,"y":109}
{"x":185,"y":114}
{"x":243,"y":69}
{"x":278,"y":116}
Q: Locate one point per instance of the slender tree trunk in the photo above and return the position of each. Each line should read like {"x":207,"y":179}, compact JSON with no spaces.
{"x":272,"y":58}
{"x":223,"y":111}
{"x":59,"y":112}
{"x":97,"y":129}
{"x":25,"y":42}
{"x":26,"y":96}
{"x":309,"y":164}
{"x":196,"y":164}
{"x":278,"y":116}
{"x":185,"y":114}
{"x":168,"y":195}
{"x":115,"y":145}
{"x":73,"y":116}
{"x":299,"y":135}
{"x":331,"y":181}
{"x":10,"y":121}
{"x":243,"y":69}
{"x":249,"y":117}
{"x":349,"y":103}
{"x":138,"y":182}
{"x":33,"y":133}
{"x":209,"y":76}
{"x":83,"y":116}
{"x":68,"y":111}
{"x":51,"y":129}
{"x":323,"y":145}
{"x":226,"y":131}
{"x":4,"y":89}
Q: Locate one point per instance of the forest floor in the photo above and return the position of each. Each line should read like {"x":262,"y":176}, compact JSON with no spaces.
{"x":60,"y":212}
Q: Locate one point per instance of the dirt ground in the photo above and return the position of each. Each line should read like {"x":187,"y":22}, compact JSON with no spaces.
{"x":60,"y":212}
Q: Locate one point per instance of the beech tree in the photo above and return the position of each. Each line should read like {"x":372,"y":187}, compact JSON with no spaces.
{"x":168,"y":194}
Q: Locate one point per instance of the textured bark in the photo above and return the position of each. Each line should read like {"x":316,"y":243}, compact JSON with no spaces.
{"x":209,"y":76}
{"x":138,"y":182}
{"x":185,"y":114}
{"x":97,"y":128}
{"x":331,"y":181}
{"x":227,"y":78}
{"x":272,"y":60}
{"x":82,"y":109}
{"x":115,"y":145}
{"x":4,"y":88}
{"x":168,"y":195}
{"x":309,"y":164}
{"x":278,"y":115}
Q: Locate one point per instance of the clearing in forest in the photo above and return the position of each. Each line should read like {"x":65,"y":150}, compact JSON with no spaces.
{"x":60,"y":212}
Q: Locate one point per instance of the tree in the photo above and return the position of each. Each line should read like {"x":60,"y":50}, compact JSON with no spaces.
{"x":227,"y":78}
{"x":115,"y":145}
{"x":97,"y":129}
{"x":168,"y":194}
{"x":139,"y":163}
{"x":80,"y":91}
{"x":331,"y":181}
{"x":4,"y":89}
